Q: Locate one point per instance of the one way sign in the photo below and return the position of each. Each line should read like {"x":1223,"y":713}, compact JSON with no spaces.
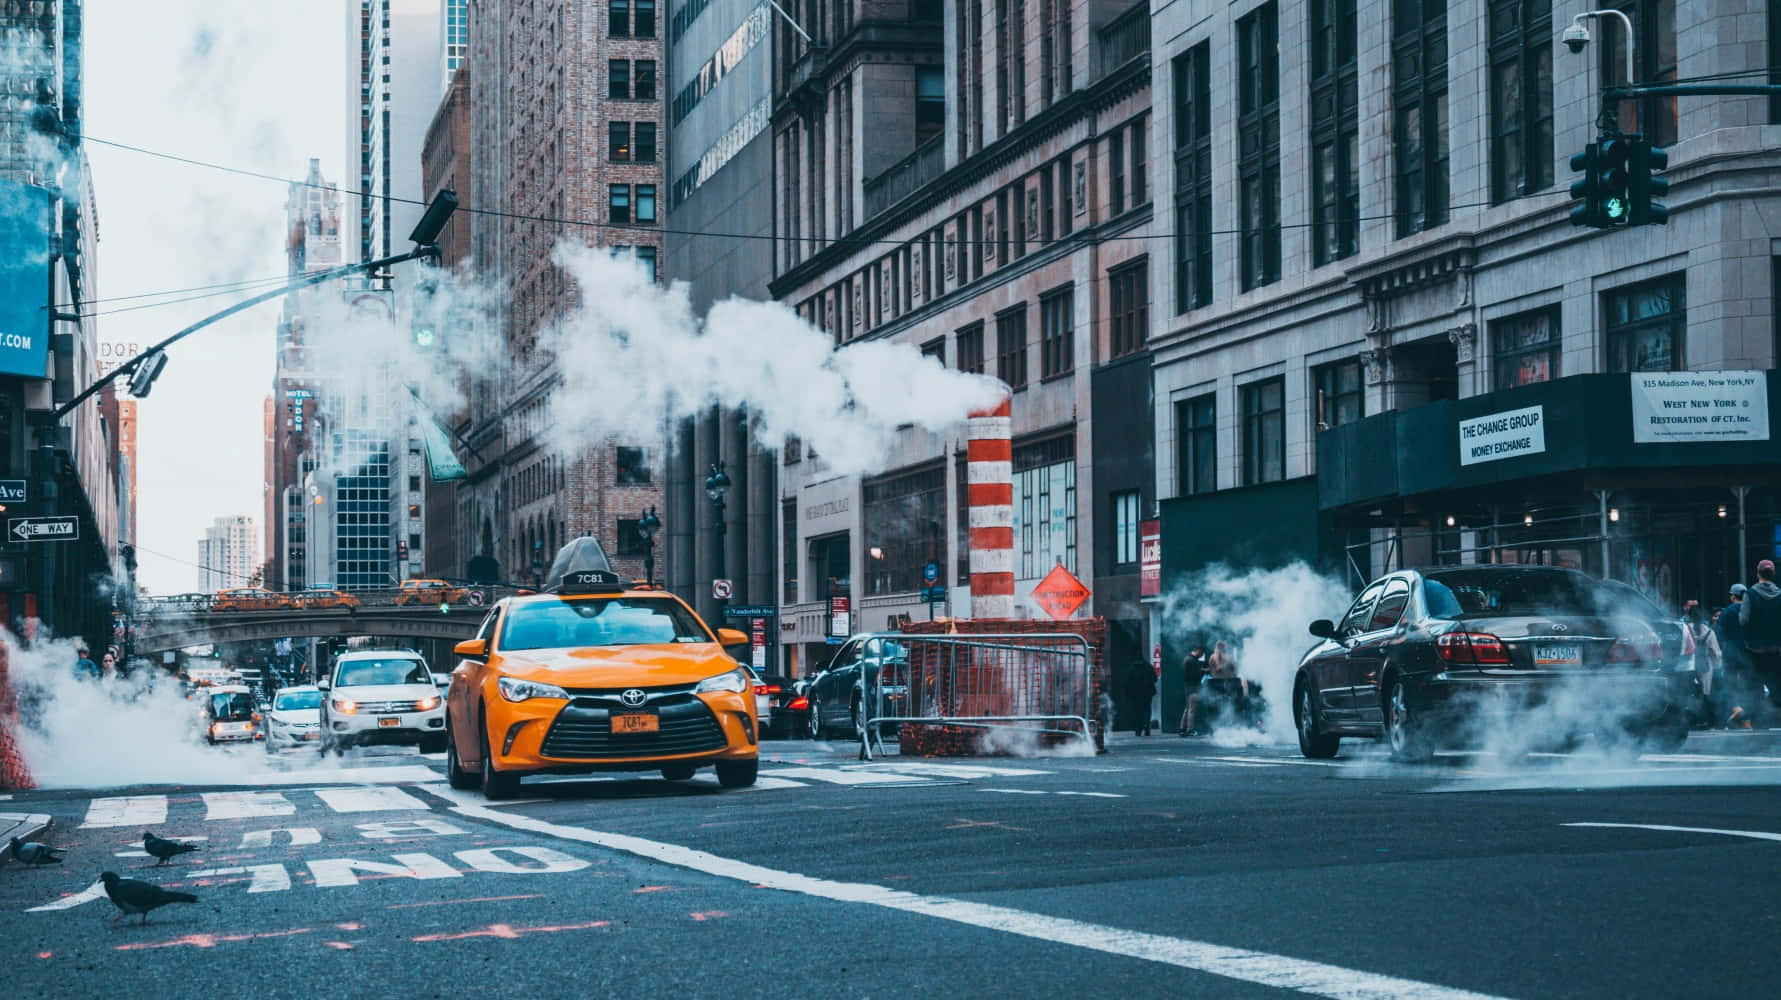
{"x":43,"y":529}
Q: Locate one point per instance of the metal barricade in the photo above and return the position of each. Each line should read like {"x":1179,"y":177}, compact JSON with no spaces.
{"x":1036,"y":683}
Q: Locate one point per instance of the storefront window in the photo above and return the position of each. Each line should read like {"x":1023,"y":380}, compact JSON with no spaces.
{"x":905,"y":529}
{"x":1526,"y":348}
{"x":1645,"y":325}
{"x":1045,"y":506}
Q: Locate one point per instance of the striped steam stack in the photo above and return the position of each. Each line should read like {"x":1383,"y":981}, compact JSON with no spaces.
{"x":989,"y":479}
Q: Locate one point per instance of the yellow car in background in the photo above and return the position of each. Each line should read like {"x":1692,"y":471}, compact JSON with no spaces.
{"x":429,"y":592}
{"x":597,"y":676}
{"x":323,"y":597}
{"x":250,"y":599}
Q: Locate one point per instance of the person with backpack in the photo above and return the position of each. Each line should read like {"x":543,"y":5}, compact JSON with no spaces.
{"x":1760,"y":616}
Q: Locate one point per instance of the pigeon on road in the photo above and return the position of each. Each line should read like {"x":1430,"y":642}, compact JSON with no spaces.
{"x":134,"y":896}
{"x":164,"y":849}
{"x":33,"y":853}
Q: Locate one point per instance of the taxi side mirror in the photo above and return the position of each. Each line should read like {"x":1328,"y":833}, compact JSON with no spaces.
{"x":732,"y":637}
{"x":472,"y":649}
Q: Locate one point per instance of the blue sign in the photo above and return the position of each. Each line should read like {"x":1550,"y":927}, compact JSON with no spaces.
{"x":930,"y":572}
{"x":24,"y":279}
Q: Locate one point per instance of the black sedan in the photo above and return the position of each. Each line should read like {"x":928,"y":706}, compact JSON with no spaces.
{"x":863,"y":666}
{"x":1444,"y":657}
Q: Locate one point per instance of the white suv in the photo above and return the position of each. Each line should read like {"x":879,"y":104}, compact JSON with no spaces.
{"x":381,"y":697}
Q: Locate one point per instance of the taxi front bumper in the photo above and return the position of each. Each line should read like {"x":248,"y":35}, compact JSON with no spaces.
{"x":583,"y":734}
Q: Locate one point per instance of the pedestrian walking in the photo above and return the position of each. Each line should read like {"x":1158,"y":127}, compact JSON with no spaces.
{"x":1193,"y":674}
{"x":1709,"y":661}
{"x":1760,"y":616}
{"x":1221,"y":681}
{"x":84,"y":667}
{"x":1140,"y":688}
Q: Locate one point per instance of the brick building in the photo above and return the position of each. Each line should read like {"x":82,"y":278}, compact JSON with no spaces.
{"x":971,"y":180}
{"x":565,"y":124}
{"x":445,"y":165}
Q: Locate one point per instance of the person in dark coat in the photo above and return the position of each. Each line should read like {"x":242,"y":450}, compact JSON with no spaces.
{"x":1760,"y":616}
{"x":1140,"y":688}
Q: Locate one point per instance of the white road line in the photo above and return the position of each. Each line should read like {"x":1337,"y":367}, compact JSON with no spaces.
{"x":373,"y":799}
{"x":1035,"y":791}
{"x":241,"y":805}
{"x":69,"y":902}
{"x":1750,"y":834}
{"x":128,"y":810}
{"x":1094,"y":795}
{"x":1014,"y":791}
{"x":1279,"y":971}
{"x":765,"y":783}
{"x":399,"y":774}
{"x":841,"y":777}
{"x":470,"y":798}
{"x":966,"y":771}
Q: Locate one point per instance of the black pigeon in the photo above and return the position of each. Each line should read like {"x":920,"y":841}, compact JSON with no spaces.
{"x":33,"y":853}
{"x":135,"y":896}
{"x":164,"y":849}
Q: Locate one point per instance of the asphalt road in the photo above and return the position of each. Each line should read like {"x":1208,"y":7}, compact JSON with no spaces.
{"x":1165,"y":867}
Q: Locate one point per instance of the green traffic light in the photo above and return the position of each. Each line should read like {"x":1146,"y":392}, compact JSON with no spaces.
{"x":444,"y":609}
{"x":423,"y":336}
{"x":1614,"y":209}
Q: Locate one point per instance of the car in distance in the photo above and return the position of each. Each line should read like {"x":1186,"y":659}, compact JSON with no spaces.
{"x":230,"y":715}
{"x":1420,"y":656}
{"x":595,"y":675}
{"x":429,"y":592}
{"x":835,"y":698}
{"x":381,"y":696}
{"x":295,"y":718}
{"x":250,"y":599}
{"x":326,"y":597}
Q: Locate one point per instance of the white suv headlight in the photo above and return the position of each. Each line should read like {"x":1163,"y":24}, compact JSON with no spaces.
{"x":514,"y":689}
{"x":730,"y":680}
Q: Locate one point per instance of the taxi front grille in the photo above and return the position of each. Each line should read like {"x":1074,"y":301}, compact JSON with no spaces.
{"x":583,"y":733}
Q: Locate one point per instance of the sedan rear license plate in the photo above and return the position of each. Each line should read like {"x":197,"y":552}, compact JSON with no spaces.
{"x":390,"y":721}
{"x":1549,"y":655}
{"x":637,"y":723}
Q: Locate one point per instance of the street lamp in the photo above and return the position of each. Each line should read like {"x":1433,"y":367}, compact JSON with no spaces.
{"x":647,"y":526}
{"x":538,"y":563}
{"x":716,"y":485}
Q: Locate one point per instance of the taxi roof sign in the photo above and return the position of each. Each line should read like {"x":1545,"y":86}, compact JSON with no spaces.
{"x":590,"y":581}
{"x":580,"y":555}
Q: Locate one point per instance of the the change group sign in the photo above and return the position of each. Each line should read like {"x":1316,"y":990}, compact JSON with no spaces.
{"x":1700,"y":406}
{"x":1496,"y":436}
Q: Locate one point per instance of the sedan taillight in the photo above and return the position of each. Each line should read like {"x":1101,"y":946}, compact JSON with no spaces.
{"x":1472,"y":649}
{"x":799,"y":704}
{"x":1636,"y":648}
{"x":766,"y":689}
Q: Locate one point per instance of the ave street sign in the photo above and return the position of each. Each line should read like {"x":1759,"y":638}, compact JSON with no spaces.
{"x":751,"y":611}
{"x":930,"y":573}
{"x":43,"y":529}
{"x":14,"y":491}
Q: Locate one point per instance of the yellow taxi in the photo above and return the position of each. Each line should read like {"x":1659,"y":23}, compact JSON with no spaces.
{"x":594,"y":675}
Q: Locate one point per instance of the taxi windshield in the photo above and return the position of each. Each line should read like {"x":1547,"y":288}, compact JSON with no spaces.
{"x":600,"y":621}
{"x":232,"y":707}
{"x":364,"y":673}
{"x":298,"y":701}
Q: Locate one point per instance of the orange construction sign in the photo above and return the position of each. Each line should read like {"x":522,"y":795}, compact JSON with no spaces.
{"x":1060,"y":593}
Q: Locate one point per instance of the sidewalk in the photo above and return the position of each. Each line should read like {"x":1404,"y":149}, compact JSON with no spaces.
{"x":25,"y":826}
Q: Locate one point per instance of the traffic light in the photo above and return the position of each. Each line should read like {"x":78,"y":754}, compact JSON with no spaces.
{"x":1644,"y":186}
{"x":143,"y":378}
{"x":1612,"y":179}
{"x":424,"y":333}
{"x":1588,"y":210}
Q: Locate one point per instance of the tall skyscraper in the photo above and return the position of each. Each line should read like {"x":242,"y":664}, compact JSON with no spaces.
{"x":397,"y":57}
{"x":229,"y":554}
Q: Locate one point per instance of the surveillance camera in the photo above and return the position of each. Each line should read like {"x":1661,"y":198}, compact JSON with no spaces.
{"x":1575,"y":37}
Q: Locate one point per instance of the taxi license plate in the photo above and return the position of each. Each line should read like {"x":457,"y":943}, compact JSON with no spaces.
{"x":638,"y":723}
{"x":307,"y":736}
{"x":1548,"y":655}
{"x":390,"y":722}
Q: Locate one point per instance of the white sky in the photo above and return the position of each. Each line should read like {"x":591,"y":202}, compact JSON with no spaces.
{"x":256,"y":85}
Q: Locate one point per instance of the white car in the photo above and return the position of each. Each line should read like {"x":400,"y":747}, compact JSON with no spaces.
{"x":372,"y":696}
{"x":229,"y":714}
{"x":295,"y":717}
{"x":763,"y":700}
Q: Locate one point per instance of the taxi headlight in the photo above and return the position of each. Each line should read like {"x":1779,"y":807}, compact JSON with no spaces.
{"x":427,"y":704}
{"x":514,"y":689}
{"x":730,"y":680}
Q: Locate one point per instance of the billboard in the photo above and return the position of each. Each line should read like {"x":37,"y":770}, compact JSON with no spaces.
{"x":24,"y":279}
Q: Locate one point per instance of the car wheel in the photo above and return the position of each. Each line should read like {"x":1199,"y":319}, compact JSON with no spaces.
{"x":495,"y":784}
{"x":1312,"y":741}
{"x":737,"y":773}
{"x":678,"y":772}
{"x":1404,"y":731}
{"x":814,"y":723}
{"x":855,"y":716}
{"x":455,"y":774}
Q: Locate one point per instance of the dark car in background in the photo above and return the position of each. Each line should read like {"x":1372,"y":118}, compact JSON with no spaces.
{"x":836,"y":697}
{"x":1422,"y":657}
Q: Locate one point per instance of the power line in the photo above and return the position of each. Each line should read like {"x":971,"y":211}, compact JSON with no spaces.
{"x":189,"y":298}
{"x":239,"y":283}
{"x":248,"y":578}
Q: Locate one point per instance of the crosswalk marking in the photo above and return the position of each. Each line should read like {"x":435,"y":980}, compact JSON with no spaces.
{"x":378,"y":798}
{"x":926,"y":769}
{"x":242,"y":805}
{"x":843,"y":777}
{"x":127,"y":810}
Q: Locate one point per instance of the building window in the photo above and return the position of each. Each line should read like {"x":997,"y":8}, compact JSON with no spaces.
{"x":1419,"y":78}
{"x":1196,"y":446}
{"x":1258,"y":144}
{"x":935,"y":349}
{"x":618,"y":20}
{"x":618,"y":141}
{"x":630,"y":538}
{"x":1011,"y":346}
{"x":930,"y":103}
{"x":618,"y":79}
{"x":1525,"y":348}
{"x":1654,"y":56}
{"x":1057,"y":339}
{"x":1115,"y":175}
{"x":905,"y":528}
{"x":1340,"y":399}
{"x":646,"y":80}
{"x":1335,"y":131}
{"x":646,"y":142}
{"x":633,"y":466}
{"x":1774,"y":24}
{"x":1140,"y":156}
{"x":1064,"y":220}
{"x":969,"y":351}
{"x":1045,"y":506}
{"x":1646,"y":324}
{"x":1264,"y":431}
{"x":618,"y":203}
{"x":646,"y":203}
{"x":1520,"y":98}
{"x":1125,"y":527}
{"x":1193,"y":178}
{"x":1128,"y":296}
{"x":788,"y":557}
{"x":1002,"y":97}
{"x":647,"y":255}
{"x":645,"y":24}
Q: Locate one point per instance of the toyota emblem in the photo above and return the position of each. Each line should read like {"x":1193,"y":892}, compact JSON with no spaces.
{"x":633,"y":697}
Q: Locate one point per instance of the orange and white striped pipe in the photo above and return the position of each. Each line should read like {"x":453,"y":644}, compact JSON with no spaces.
{"x":989,"y":503}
